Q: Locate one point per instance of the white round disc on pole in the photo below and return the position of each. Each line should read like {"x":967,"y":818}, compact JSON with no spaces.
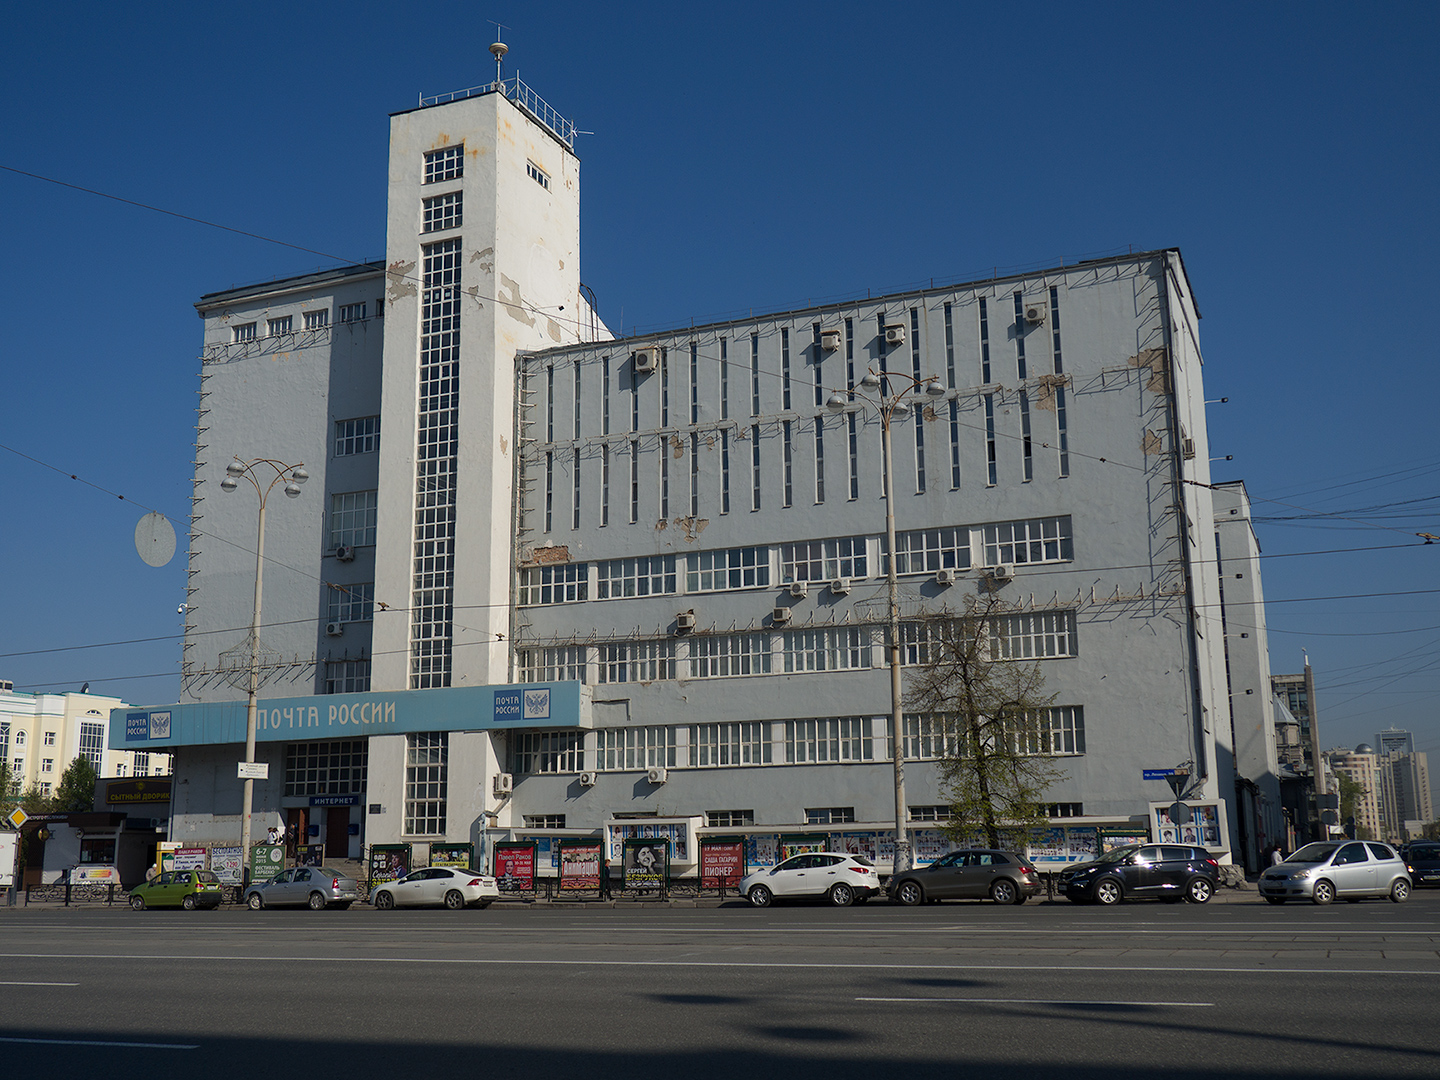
{"x":155,"y":539}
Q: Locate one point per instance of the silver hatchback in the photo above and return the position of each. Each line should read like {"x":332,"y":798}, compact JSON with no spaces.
{"x":315,"y":887}
{"x":1337,"y":869}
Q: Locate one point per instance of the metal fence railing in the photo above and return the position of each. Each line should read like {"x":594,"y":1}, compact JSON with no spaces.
{"x":514,"y":89}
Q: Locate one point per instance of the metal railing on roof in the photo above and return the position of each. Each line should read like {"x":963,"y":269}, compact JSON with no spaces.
{"x":522,"y":95}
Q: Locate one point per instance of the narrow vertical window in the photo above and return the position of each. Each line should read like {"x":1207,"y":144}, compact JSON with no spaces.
{"x":954,"y":445}
{"x":819,"y":459}
{"x":664,"y":477}
{"x":634,"y":481}
{"x":819,"y":358}
{"x":854,"y":458}
{"x":724,"y":472}
{"x":549,"y":487}
{"x":884,"y":350}
{"x":754,"y":374}
{"x":577,"y":400}
{"x":949,"y":349}
{"x":990,"y":439}
{"x":634,"y":399}
{"x":664,"y":389}
{"x":694,"y":382}
{"x":550,"y":404}
{"x":1025,"y":446}
{"x":850,"y":358}
{"x":605,"y":484}
{"x":1020,"y":337}
{"x":918,"y":408}
{"x":1062,"y":432}
{"x":984,"y":343}
{"x":1055,"y":328}
{"x":724,"y":380}
{"x":786,"y":461}
{"x":605,"y":396}
{"x":755,"y":467}
{"x":785,"y":370}
{"x":575,"y":492}
{"x":694,"y":474}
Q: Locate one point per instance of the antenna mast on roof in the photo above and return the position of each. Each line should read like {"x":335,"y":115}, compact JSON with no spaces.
{"x":498,"y":50}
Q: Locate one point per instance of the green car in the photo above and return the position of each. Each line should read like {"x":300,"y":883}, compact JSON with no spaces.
{"x":189,"y":889}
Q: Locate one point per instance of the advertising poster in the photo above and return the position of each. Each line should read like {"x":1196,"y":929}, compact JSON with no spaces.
{"x":227,"y":863}
{"x":646,"y":864}
{"x":580,"y":865}
{"x":722,"y":862}
{"x":166,"y":855}
{"x":266,"y":860}
{"x":803,"y":844}
{"x":388,"y":862}
{"x":928,"y":845}
{"x":762,"y":850}
{"x":1111,"y":838}
{"x":515,"y":867}
{"x":458,"y":856}
{"x":676,"y":832}
{"x":310,"y":855}
{"x":857,"y":843}
{"x":96,"y":874}
{"x":1203,"y":829}
{"x":1082,"y":843}
{"x":191,"y":858}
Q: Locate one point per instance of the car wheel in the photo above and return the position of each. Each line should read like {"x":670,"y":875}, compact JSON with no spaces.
{"x":383,"y":901}
{"x":1400,"y":891}
{"x":254,"y":901}
{"x":317,"y":901}
{"x":759,"y":896}
{"x":1198,"y":891}
{"x":454,"y":900}
{"x":1004,"y":891}
{"x":1275,"y":899}
{"x":1323,"y":892}
{"x":138,"y":903}
{"x":1108,"y":891}
{"x":188,"y":903}
{"x":842,"y":895}
{"x":910,"y":893}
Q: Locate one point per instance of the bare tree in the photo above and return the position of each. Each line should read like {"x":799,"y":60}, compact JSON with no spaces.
{"x":997,"y":760}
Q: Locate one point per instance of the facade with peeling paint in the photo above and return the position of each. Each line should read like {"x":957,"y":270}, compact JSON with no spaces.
{"x":684,"y":534}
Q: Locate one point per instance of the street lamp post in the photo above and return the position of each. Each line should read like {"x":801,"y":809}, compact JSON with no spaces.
{"x":889,"y":408}
{"x":294,"y":476}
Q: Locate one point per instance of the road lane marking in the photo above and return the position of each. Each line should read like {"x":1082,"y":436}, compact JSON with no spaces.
{"x":100,"y":1042}
{"x":18,"y":983}
{"x":1039,"y":1001}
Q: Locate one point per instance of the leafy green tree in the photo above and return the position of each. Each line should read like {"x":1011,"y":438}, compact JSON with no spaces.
{"x":1351,"y":793}
{"x":75,"y":794}
{"x":997,"y":762}
{"x":9,"y":789}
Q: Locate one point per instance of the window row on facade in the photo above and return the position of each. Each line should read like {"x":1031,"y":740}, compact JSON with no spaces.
{"x":313,"y":319}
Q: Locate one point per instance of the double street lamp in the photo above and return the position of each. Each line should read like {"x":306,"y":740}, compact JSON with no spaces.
{"x":892,"y":406}
{"x":293,"y":476}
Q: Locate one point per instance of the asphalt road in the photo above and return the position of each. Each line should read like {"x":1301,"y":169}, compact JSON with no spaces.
{"x":1238,"y":990}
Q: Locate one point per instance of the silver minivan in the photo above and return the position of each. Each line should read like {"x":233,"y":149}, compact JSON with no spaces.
{"x":1337,"y":869}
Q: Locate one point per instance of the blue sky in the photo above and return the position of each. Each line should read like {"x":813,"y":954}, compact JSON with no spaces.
{"x":748,"y":156}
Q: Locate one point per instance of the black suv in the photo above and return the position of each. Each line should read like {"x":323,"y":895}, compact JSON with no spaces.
{"x":1160,"y":870}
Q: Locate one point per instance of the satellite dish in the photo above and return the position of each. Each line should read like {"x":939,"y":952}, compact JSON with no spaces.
{"x":155,"y":539}
{"x":1180,"y":814}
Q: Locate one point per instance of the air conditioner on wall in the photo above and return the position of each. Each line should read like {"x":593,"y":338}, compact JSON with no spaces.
{"x":657,"y":776}
{"x":1002,"y":572}
{"x":945,"y":577}
{"x":840,"y":586}
{"x":830,"y":340}
{"x":895,"y":335}
{"x":780,"y":615}
{"x":335,"y":629}
{"x":504,"y":783}
{"x":684,"y":621}
{"x":799,"y":590}
{"x":645,"y":360}
{"x":1035,"y":312}
{"x":587,"y":779}
{"x":344,"y":553}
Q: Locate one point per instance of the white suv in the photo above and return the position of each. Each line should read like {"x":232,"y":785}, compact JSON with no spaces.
{"x":1343,"y":869}
{"x":841,"y":879}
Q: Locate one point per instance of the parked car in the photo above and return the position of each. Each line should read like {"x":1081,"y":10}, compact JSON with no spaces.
{"x":972,"y":874}
{"x":188,"y":889}
{"x":841,"y":879}
{"x":318,"y":887}
{"x":437,"y":885}
{"x":1422,"y":863}
{"x":1347,"y":869}
{"x":1163,"y":871}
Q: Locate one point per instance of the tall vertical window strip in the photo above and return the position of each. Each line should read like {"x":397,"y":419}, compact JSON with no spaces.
{"x":575,"y":490}
{"x":819,"y":459}
{"x":605,"y":485}
{"x":755,"y":467}
{"x":984,"y":343}
{"x":694,"y":382}
{"x":949,"y":349}
{"x":919,"y":409}
{"x":634,"y":399}
{"x":724,"y":472}
{"x":754,"y":374}
{"x":724,"y":380}
{"x":786,"y":461}
{"x":819,"y":359}
{"x":990,"y":440}
{"x":605,"y":396}
{"x":854,"y":457}
{"x":549,"y":489}
{"x":634,"y":481}
{"x":1055,"y":328}
{"x":664,"y":388}
{"x":427,"y":768}
{"x":437,"y":440}
{"x":550,"y":404}
{"x":1062,"y":432}
{"x":1026,"y":449}
{"x":785,"y":369}
{"x":850,"y":358}
{"x":664,"y":478}
{"x":447,"y":163}
{"x":92,"y":745}
{"x":1020,"y":336}
{"x":576,"y":435}
{"x":694,"y":474}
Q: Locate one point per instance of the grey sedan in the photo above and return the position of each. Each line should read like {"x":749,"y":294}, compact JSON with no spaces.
{"x":1347,"y":870}
{"x":1003,"y":876}
{"x":315,"y":887}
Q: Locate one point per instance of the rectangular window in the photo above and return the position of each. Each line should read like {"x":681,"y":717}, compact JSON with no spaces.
{"x":1026,"y":451}
{"x":1044,"y":635}
{"x":565,"y":663}
{"x":575,"y":490}
{"x":637,"y":661}
{"x":843,"y":739}
{"x":447,"y":163}
{"x":539,"y":175}
{"x":664,"y":388}
{"x":544,"y":821}
{"x":954,"y":445}
{"x":562,"y":583}
{"x":949,"y":349}
{"x":48,"y":739}
{"x":694,"y":474}
{"x":1065,"y":809}
{"x":1020,"y":337}
{"x":755,"y":467}
{"x":645,"y":575}
{"x":754,"y":374}
{"x":576,"y":417}
{"x":317,"y":320}
{"x":928,"y":813}
{"x":854,"y":458}
{"x":325,"y":768}
{"x":919,"y":411}
{"x":841,"y":648}
{"x":715,"y":745}
{"x":784,"y":371}
{"x":724,"y":472}
{"x":787,"y":463}
{"x":47,"y":764}
{"x":347,"y":676}
{"x":550,"y":404}
{"x":1052,"y":732}
{"x":819,"y":459}
{"x":549,"y":489}
{"x":920,"y":643}
{"x":634,"y":481}
{"x":605,"y":485}
{"x":443,"y":212}
{"x":635,"y":398}
{"x":243,"y":332}
{"x":829,"y":815}
{"x":729,"y":568}
{"x":724,"y":379}
{"x":142,"y":764}
{"x":1062,"y":431}
{"x":819,"y":365}
{"x":351,"y":603}
{"x":984,"y":344}
{"x":695,"y":382}
{"x":352,"y":519}
{"x":1035,"y":541}
{"x":358,"y":436}
{"x":1055,"y":329}
{"x":850,"y":357}
{"x":664,"y":478}
{"x":729,"y":819}
{"x":924,"y":551}
{"x":605,"y":396}
{"x":823,"y":560}
{"x":990,"y":459}
{"x":927,"y":737}
{"x":427,"y":770}
{"x":630,"y":749}
{"x":731,"y":654}
{"x":282,"y":325}
{"x":352,"y":312}
{"x":540,"y":752}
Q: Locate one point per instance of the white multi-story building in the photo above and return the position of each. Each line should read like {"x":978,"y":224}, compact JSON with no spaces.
{"x":41,"y":734}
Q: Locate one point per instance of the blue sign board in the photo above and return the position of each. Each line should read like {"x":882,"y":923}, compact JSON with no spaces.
{"x":1159,"y":774}
{"x":350,"y":716}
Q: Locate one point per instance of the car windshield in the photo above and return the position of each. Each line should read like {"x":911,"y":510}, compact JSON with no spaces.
{"x":1115,"y":855}
{"x":1425,"y":851}
{"x":862,"y":860}
{"x":1313,"y":853}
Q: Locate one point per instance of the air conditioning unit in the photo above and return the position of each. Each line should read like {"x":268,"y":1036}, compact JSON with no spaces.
{"x":645,"y":360}
{"x":344,"y":553}
{"x":504,"y":783}
{"x":587,"y":779}
{"x":895,"y":335}
{"x":840,"y":586}
{"x":830,"y":340}
{"x":1035,"y":312}
{"x":945,"y":577}
{"x":1002,"y":572}
{"x":1188,"y":448}
{"x":780,"y":615}
{"x":334,"y":629}
{"x":799,"y":590}
{"x":684,"y":621}
{"x":657,"y":776}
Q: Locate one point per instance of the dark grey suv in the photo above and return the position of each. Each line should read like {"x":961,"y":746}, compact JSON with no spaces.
{"x":1165,"y":871}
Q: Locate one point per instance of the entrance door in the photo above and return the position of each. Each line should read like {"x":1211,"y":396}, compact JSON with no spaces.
{"x":337,"y":832}
{"x":297,"y":817}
